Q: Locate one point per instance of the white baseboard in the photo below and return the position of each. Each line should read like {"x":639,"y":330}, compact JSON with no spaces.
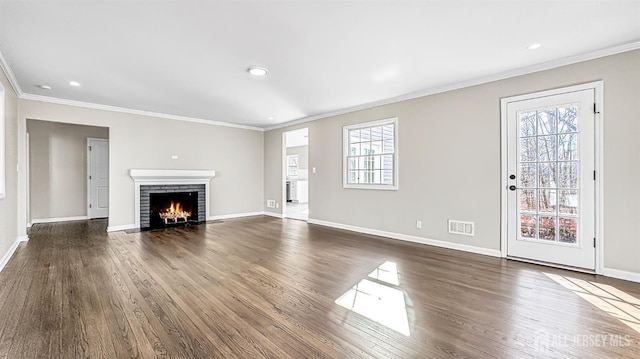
{"x":408,"y":238}
{"x":273,"y":214}
{"x":61,"y":219}
{"x":7,"y":256}
{"x":120,"y":228}
{"x":621,"y":274}
{"x":234,"y":215}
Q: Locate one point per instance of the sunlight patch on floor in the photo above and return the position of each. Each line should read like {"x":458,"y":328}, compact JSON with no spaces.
{"x":379,"y":298}
{"x":613,"y":301}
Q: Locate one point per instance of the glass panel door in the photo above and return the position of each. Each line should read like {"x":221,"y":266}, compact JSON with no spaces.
{"x":551,"y":188}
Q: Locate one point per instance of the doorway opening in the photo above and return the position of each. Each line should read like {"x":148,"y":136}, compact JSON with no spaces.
{"x":296,"y":174}
{"x":60,"y":175}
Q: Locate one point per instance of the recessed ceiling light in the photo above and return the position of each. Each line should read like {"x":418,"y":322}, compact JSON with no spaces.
{"x":271,"y":118}
{"x":534,"y":46}
{"x":45,"y":87}
{"x":257,"y":71}
{"x":74,"y":83}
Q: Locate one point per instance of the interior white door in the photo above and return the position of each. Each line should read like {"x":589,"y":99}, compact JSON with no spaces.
{"x":551,"y":184}
{"x":98,"y":155}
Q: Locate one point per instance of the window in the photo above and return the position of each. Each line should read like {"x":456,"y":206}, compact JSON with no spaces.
{"x":292,"y":165}
{"x":371,"y":155}
{"x":2,"y":144}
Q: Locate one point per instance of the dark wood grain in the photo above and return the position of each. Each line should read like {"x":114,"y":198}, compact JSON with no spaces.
{"x":266,"y":288}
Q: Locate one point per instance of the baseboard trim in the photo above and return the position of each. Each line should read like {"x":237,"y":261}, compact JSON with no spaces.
{"x":409,"y":238}
{"x":123,"y":227}
{"x":273,"y":214}
{"x":60,"y":219}
{"x":234,"y":215}
{"x":14,"y":246}
{"x":621,"y":274}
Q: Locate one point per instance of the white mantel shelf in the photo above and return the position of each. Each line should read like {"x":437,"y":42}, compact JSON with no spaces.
{"x":164,"y":177}
{"x":143,"y":175}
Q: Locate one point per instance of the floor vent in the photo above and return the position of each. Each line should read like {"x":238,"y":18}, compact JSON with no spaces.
{"x":461,"y":227}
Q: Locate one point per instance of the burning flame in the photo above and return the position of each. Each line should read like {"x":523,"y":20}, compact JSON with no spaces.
{"x":174,"y":212}
{"x":177,"y":209}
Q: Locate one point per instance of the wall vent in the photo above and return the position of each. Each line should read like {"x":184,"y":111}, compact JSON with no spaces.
{"x":461,"y":227}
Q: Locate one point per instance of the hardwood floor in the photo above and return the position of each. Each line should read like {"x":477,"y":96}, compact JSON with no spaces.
{"x":263,"y":287}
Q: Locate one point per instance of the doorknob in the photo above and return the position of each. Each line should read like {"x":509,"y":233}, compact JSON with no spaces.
{"x":513,"y":188}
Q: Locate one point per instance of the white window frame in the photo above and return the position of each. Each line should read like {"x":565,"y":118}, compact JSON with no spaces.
{"x":3,"y":143}
{"x":345,"y":155}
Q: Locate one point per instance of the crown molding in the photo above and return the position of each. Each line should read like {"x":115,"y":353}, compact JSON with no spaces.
{"x":479,"y":81}
{"x":26,"y":96}
{"x":430,"y":91}
{"x":95,"y":106}
{"x":10,"y":76}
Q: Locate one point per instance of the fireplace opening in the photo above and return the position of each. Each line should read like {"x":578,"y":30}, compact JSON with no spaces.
{"x":173,"y":209}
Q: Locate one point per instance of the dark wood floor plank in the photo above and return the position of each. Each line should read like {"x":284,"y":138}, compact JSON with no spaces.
{"x":266,"y":288}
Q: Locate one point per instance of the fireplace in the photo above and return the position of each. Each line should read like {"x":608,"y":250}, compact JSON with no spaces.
{"x":156,"y":190}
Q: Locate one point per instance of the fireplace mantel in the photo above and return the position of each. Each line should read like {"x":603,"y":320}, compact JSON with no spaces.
{"x":173,"y":176}
{"x":169,"y":177}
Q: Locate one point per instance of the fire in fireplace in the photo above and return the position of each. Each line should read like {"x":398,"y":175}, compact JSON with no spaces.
{"x":175,"y":214}
{"x":171,"y":209}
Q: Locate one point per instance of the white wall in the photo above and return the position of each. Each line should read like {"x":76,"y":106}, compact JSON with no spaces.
{"x":8,"y":204}
{"x":58,"y":168}
{"x":449,"y":160}
{"x":145,"y":142}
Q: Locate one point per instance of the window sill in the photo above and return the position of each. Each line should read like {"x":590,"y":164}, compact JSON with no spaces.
{"x":371,"y":187}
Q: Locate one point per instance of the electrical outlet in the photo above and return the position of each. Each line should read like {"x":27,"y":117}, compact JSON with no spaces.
{"x":419,"y":224}
{"x":271,"y":203}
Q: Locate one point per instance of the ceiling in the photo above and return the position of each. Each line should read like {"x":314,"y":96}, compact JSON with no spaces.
{"x":190,"y":58}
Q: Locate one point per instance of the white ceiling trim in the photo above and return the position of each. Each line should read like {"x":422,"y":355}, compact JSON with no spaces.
{"x":500,"y":76}
{"x":9,"y":73}
{"x":96,"y":106}
{"x":27,"y":96}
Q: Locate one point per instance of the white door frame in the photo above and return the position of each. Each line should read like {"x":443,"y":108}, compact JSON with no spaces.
{"x":89,"y":139}
{"x":598,"y":87}
{"x":28,"y":175}
{"x":283,"y":178}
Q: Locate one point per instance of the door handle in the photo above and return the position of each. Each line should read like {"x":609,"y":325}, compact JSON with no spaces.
{"x":512,"y":187}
